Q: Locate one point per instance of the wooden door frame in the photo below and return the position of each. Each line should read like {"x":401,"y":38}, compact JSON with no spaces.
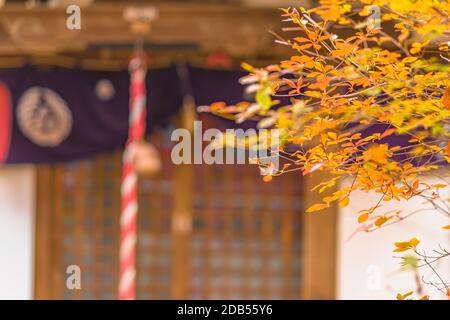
{"x":42,"y":234}
{"x":319,"y":234}
{"x":319,"y":244}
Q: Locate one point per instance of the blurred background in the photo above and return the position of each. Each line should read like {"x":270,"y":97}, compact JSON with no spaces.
{"x":205,"y":231}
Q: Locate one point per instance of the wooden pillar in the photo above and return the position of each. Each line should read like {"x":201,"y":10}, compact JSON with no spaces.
{"x":181,"y":232}
{"x":182,"y":214}
{"x":43,"y":232}
{"x":319,"y":244}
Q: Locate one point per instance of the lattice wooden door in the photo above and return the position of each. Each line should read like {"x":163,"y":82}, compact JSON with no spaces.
{"x":205,"y":232}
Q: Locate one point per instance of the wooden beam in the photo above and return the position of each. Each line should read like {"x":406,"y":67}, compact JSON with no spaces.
{"x":239,"y":30}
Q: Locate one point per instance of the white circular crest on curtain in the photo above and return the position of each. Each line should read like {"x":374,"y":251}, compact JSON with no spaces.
{"x":44,"y":117}
{"x":105,"y":90}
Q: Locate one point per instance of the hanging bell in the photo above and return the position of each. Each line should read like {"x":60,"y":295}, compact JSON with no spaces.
{"x":146,"y":159}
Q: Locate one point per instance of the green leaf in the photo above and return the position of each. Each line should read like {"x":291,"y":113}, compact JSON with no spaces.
{"x":263,"y":98}
{"x":409,"y":262}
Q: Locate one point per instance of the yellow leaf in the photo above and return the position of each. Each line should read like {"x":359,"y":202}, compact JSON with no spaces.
{"x":402,"y":244}
{"x":317,"y":207}
{"x":401,"y":249}
{"x":247,"y":67}
{"x":344,"y":202}
{"x":404,"y":296}
{"x":380,"y":221}
{"x":362,"y":218}
{"x":414,"y":242}
{"x":332,"y":135}
{"x":407,"y":294}
{"x":314,"y":94}
{"x":406,"y":245}
{"x":409,"y":59}
{"x":439,"y":186}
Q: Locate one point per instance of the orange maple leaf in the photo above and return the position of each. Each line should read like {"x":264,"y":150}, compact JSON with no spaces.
{"x":447,"y":150}
{"x":446,"y":98}
{"x":378,"y":153}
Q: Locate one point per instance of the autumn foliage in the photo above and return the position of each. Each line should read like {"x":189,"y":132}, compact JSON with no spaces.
{"x":364,"y":97}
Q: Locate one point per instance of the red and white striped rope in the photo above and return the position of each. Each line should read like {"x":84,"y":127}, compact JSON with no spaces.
{"x":129,"y":187}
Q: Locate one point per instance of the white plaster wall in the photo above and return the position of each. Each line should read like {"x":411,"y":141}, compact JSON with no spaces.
{"x":17,"y":199}
{"x":366,"y":267}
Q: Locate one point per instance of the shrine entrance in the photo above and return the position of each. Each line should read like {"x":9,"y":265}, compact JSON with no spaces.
{"x":204,"y":232}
